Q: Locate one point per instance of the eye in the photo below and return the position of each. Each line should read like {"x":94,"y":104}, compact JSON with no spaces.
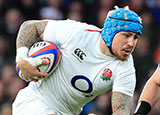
{"x":136,"y":37}
{"x":126,"y":35}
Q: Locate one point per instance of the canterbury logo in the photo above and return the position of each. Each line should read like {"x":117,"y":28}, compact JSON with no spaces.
{"x":79,"y":54}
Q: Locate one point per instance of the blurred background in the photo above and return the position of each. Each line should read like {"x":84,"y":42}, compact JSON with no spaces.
{"x":14,"y":12}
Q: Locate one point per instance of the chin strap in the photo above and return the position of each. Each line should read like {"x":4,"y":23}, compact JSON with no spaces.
{"x":110,"y":49}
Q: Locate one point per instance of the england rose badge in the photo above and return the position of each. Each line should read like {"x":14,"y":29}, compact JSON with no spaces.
{"x":107,"y":73}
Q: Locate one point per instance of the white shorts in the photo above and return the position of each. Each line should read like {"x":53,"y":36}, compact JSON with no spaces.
{"x":26,"y":103}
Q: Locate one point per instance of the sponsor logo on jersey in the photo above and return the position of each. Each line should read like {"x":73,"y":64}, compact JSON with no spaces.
{"x":107,"y":73}
{"x":79,"y":54}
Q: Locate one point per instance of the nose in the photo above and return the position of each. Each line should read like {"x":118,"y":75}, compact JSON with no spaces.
{"x":131,"y":41}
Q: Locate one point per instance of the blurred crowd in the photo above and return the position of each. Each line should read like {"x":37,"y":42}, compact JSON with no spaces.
{"x":14,"y":12}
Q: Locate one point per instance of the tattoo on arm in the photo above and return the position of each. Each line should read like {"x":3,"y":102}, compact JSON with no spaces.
{"x":121,"y":103}
{"x":30,"y":32}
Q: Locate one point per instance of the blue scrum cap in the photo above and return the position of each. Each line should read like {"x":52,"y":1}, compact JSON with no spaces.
{"x":120,"y":19}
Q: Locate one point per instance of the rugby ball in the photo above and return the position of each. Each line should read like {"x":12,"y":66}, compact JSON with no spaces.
{"x":44,"y":50}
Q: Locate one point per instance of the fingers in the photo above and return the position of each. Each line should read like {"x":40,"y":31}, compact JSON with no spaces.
{"x":34,"y":75}
{"x":37,"y":76}
{"x":45,"y":60}
{"x":37,"y":61}
{"x":29,"y":69}
{"x":28,"y":79}
{"x":40,"y":74}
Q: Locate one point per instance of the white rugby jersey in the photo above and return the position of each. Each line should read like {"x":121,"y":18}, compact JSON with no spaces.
{"x":84,"y":72}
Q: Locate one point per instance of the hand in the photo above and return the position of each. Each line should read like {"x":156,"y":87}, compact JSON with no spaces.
{"x":29,"y":69}
{"x":91,"y":114}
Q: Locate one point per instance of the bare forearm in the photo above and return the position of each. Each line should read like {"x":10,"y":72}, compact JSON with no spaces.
{"x":150,"y":90}
{"x":121,"y":104}
{"x":146,"y":100}
{"x":30,"y":32}
{"x":149,"y":95}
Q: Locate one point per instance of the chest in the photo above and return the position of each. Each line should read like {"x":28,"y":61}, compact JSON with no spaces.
{"x":86,"y":72}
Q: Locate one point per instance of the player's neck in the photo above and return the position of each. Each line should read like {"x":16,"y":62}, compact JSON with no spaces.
{"x":104,"y":49}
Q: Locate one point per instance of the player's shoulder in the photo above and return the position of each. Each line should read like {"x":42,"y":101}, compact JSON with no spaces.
{"x":125,"y":68}
{"x":130,"y":59}
{"x":73,"y":23}
{"x":81,"y":23}
{"x":128,"y":64}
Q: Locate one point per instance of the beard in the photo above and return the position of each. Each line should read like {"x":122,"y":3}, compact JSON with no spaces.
{"x":122,"y":57}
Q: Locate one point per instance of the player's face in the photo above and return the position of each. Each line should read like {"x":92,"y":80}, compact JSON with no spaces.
{"x":123,"y":44}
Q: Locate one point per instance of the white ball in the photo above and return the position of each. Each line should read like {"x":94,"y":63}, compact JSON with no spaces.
{"x":44,"y":50}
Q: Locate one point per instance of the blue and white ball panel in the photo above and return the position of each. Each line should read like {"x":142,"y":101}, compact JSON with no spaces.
{"x":44,"y":50}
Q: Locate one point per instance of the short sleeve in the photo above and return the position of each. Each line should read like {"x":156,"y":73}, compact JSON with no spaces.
{"x":62,"y":31}
{"x":125,"y":79}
